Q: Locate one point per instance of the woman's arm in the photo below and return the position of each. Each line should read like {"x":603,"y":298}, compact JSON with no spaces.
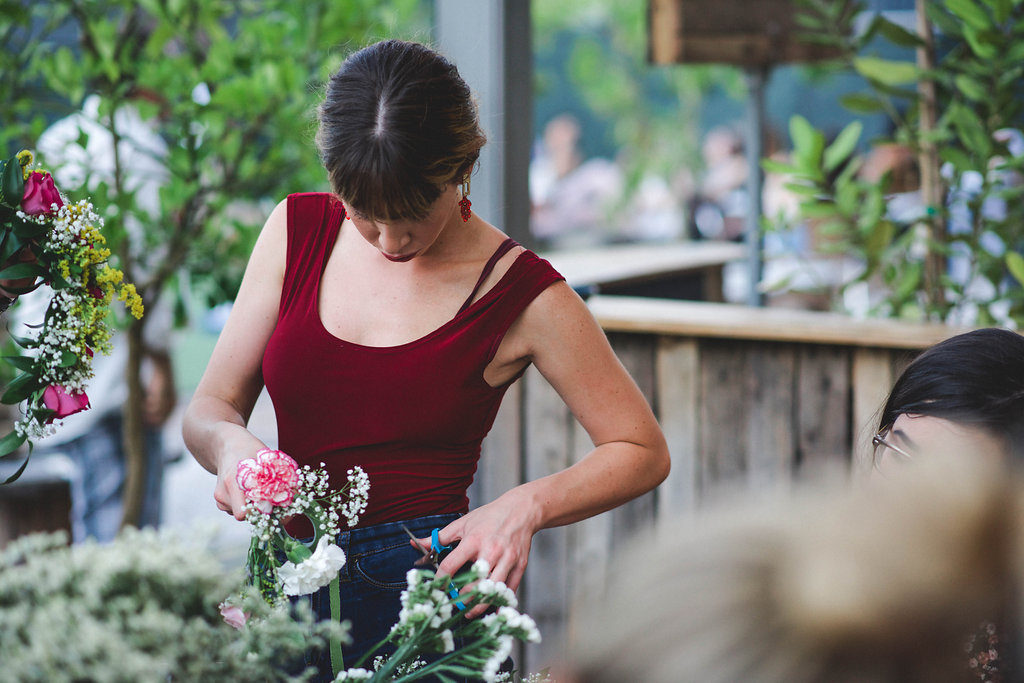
{"x":215,"y":421}
{"x":629,"y":458}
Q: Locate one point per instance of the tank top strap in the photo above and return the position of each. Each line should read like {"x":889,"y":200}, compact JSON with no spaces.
{"x":314,"y":219}
{"x":502,"y":249}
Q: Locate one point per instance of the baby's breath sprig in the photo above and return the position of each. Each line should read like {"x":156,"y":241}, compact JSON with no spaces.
{"x":45,"y":239}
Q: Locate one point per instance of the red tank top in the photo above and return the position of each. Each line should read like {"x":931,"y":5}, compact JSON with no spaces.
{"x":412,"y":415}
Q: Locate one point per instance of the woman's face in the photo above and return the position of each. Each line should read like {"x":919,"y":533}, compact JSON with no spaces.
{"x":914,"y":435}
{"x":403,"y":240}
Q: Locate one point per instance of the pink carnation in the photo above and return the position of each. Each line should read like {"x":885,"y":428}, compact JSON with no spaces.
{"x":40,"y":194}
{"x":63,"y":402}
{"x":233,"y":616}
{"x":269,"y":479}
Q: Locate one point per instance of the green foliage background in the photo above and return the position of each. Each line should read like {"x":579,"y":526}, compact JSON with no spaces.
{"x":979,"y":82}
{"x":264,"y":63}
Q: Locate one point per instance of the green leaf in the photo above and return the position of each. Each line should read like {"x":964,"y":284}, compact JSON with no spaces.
{"x":862,"y":104}
{"x":843,"y":146}
{"x":981,"y":42}
{"x":801,"y":189}
{"x":1015,"y":263}
{"x":23,"y":270}
{"x":961,"y":160}
{"x":67,"y":359}
{"x":772,"y":166}
{"x":813,"y":209}
{"x":886,"y":71}
{"x":12,"y":244}
{"x":971,"y":130}
{"x":880,"y":238}
{"x":971,"y":88}
{"x":808,"y":143}
{"x":972,"y":14}
{"x":20,"y":388}
{"x":21,"y":362}
{"x":897,"y":34}
{"x":1001,"y":9}
{"x":9,"y":444}
{"x":945,"y":23}
{"x":12,"y":185}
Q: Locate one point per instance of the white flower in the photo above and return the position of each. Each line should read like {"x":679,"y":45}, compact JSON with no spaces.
{"x":354,"y":675}
{"x":496,"y":592}
{"x":482,"y":567}
{"x":315,"y":571}
{"x":490,"y":670}
{"x":447,"y":641}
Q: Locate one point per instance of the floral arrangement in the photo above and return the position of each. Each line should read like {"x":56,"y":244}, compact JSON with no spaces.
{"x":45,"y":239}
{"x":143,"y":608}
{"x":277,"y":489}
{"x":430,"y":623}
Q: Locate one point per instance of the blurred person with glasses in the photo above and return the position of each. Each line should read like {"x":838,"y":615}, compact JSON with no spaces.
{"x":963,"y":395}
{"x":966,"y":393}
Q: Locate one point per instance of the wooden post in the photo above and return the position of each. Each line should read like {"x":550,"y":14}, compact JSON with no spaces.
{"x":932,"y":191}
{"x":490,"y":44}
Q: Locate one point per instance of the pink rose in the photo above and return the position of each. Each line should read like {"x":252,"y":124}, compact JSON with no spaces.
{"x":233,"y":616}
{"x":40,"y":194}
{"x":269,"y":479}
{"x":63,"y":402}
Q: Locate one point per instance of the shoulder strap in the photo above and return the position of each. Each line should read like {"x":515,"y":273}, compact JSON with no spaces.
{"x":502,"y":249}
{"x":313,"y":221}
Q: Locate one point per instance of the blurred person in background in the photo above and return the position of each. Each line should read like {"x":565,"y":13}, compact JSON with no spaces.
{"x":571,"y":198}
{"x":964,"y":394}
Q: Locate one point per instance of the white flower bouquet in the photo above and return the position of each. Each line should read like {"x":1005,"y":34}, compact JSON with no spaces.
{"x":430,"y":622}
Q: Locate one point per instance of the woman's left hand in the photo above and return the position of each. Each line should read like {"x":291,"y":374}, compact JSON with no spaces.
{"x":500,"y":533}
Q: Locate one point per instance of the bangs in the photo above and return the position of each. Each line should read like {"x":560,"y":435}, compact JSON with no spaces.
{"x":384,"y":187}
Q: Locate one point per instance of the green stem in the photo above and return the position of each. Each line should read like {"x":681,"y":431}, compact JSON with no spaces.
{"x":337,"y":660}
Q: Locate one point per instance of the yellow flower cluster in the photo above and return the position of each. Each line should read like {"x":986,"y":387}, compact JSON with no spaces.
{"x":25,"y":160}
{"x":131,"y":300}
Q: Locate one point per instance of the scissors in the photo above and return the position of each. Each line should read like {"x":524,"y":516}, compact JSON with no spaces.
{"x":433,"y":556}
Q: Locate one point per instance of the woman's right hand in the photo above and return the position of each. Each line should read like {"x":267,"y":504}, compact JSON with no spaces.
{"x":227,"y":493}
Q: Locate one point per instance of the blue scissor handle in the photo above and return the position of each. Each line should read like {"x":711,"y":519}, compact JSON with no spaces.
{"x":437,"y":549}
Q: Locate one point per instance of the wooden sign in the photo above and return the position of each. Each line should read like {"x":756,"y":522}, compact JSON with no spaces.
{"x":741,"y":32}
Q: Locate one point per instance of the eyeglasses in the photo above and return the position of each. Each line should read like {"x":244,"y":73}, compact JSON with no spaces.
{"x":881,"y":442}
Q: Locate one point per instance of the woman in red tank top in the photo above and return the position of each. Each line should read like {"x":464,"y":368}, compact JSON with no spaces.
{"x":387,"y":319}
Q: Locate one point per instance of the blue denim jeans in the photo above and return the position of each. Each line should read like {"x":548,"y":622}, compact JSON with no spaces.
{"x":377,"y":560}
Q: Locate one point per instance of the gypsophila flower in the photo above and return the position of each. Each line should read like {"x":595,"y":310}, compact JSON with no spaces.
{"x":354,"y":675}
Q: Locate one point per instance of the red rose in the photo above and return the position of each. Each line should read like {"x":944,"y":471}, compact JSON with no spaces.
{"x":63,"y":402}
{"x":269,"y":479}
{"x":40,"y":194}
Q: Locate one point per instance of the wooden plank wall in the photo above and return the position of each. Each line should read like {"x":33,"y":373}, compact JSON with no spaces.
{"x":736,"y":413}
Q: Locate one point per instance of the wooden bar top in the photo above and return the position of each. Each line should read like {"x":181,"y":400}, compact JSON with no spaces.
{"x":734,"y":321}
{"x":629,"y":263}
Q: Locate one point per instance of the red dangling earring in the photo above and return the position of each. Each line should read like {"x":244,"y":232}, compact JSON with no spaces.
{"x":344,"y":213}
{"x":464,"y":203}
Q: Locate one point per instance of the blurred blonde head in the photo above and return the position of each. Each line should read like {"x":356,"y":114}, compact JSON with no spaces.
{"x":877,"y":584}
